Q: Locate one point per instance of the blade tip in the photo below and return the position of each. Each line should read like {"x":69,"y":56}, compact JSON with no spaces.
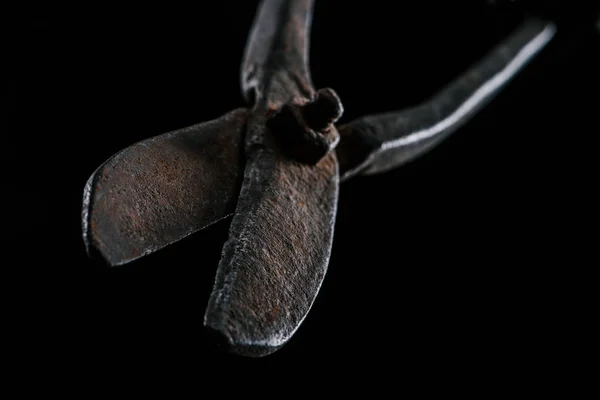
{"x":90,"y":238}
{"x":98,"y":256}
{"x":221,"y":339}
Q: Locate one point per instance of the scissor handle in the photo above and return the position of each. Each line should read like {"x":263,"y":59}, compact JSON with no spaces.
{"x":275,"y":64}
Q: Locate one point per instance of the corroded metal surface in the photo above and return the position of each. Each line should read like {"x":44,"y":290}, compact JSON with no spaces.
{"x":307,"y":130}
{"x":277,"y":253}
{"x":281,"y":234}
{"x":162,"y":189}
{"x":276,"y":169}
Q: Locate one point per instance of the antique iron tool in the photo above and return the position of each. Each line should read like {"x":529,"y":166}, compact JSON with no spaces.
{"x":275,"y":166}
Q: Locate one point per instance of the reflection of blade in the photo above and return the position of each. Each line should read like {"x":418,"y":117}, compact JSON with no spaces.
{"x":162,"y":189}
{"x":277,"y":252}
{"x":378,"y":143}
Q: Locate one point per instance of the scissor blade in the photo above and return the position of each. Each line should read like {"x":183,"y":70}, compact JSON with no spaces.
{"x":162,"y":189}
{"x":378,"y":143}
{"x":277,"y":253}
{"x":275,"y":64}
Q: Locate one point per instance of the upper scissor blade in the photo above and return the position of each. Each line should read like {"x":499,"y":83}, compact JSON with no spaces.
{"x":162,"y":189}
{"x":377,"y":143}
{"x":275,"y":65}
{"x":277,"y":253}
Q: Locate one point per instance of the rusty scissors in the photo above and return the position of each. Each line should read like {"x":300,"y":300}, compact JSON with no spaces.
{"x":275,"y":166}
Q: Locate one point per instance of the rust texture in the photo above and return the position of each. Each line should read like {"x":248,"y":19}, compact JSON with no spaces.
{"x":277,"y":169}
{"x":306,"y":132}
{"x":280,"y":238}
{"x":155,"y":192}
{"x":277,"y":253}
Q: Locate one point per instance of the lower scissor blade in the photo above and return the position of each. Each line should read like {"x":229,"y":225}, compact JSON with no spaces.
{"x":162,"y":189}
{"x":277,"y":252}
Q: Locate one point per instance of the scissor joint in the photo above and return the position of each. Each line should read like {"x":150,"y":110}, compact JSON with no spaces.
{"x":306,"y":132}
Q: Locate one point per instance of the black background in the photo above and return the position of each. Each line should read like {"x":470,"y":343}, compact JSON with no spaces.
{"x":443,"y":261}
